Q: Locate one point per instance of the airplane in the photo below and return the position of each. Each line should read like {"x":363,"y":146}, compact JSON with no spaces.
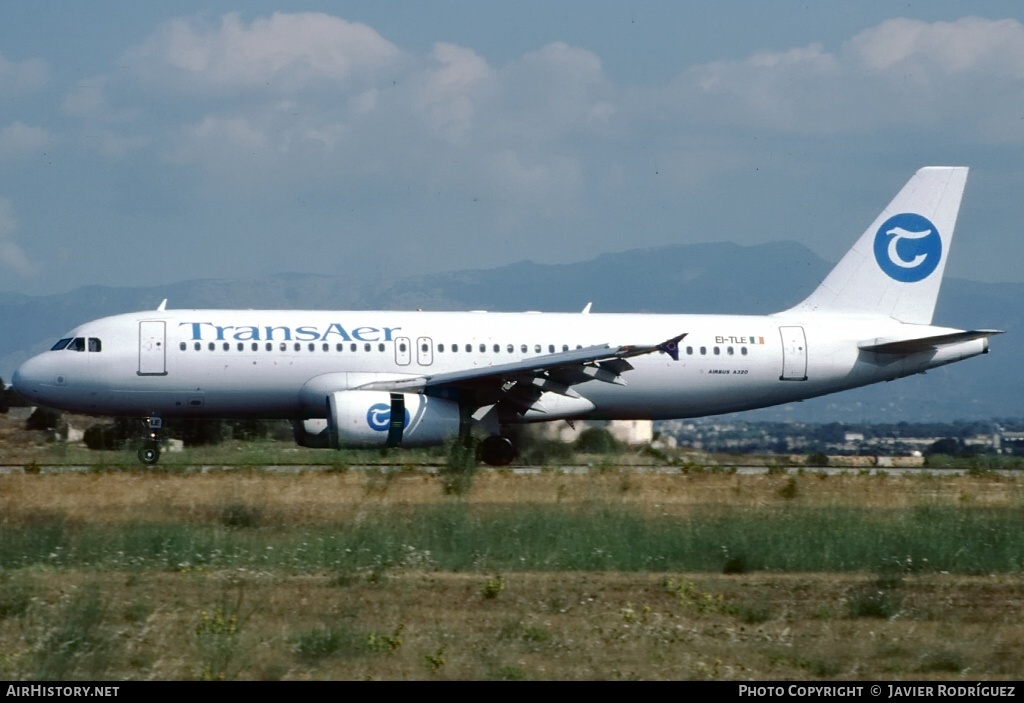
{"x":403,"y":379}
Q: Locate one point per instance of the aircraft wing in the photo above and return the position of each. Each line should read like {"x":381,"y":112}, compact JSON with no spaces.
{"x":921,"y":344}
{"x":549,"y":372}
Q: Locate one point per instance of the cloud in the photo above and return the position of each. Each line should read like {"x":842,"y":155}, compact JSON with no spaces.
{"x":967,"y":74}
{"x":11,"y":255}
{"x":20,"y":138}
{"x":447,"y":98}
{"x":24,"y":76}
{"x":276,"y":54}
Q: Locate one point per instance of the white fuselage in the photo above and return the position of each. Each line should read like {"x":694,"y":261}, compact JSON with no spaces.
{"x":277,"y":364}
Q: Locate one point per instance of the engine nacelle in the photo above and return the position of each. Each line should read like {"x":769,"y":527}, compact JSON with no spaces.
{"x":312,"y":434}
{"x":382,"y":419}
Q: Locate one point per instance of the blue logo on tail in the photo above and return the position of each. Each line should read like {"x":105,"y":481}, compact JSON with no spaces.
{"x":908,"y":247}
{"x":378,"y":417}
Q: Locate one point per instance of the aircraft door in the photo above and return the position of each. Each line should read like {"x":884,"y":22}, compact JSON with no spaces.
{"x":152,"y":348}
{"x":794,"y":354}
{"x":424,"y":351}
{"x":403,"y":351}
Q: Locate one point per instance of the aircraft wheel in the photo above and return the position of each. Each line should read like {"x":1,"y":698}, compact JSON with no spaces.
{"x":497,"y":451}
{"x":149,"y":454}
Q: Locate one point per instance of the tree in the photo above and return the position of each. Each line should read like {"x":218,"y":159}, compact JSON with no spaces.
{"x":597,"y":440}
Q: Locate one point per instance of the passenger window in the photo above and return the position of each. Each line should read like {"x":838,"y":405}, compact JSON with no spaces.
{"x":198,"y":346}
{"x":353,"y":347}
{"x":729,"y":351}
{"x":326,"y":347}
{"x":689,"y":351}
{"x":270,"y":346}
{"x":483,"y":348}
{"x":255,"y":346}
{"x":212,"y":346}
{"x":743,"y":351}
{"x":366,"y":347}
{"x":380,"y":347}
{"x":455,"y":348}
{"x":401,"y":347}
{"x":565,"y":347}
{"x":522,"y":348}
{"x":469,"y":348}
{"x":183,"y":346}
{"x":717,"y":351}
{"x":703,"y":351}
{"x":339,"y":347}
{"x":510,"y":348}
{"x":497,"y":348}
{"x":241,"y":347}
{"x":551,"y":349}
{"x":227,"y":347}
{"x":284,"y":346}
{"x":61,"y":344}
{"x":298,"y":347}
{"x":440,"y":347}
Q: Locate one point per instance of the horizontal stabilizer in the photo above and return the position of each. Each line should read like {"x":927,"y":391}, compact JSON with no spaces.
{"x":920,"y":344}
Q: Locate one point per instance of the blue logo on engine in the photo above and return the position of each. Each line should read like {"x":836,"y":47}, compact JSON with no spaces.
{"x":908,"y":247}
{"x":378,"y":417}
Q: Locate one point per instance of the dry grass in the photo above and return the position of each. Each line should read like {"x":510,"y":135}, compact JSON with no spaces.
{"x":407,"y":623}
{"x":414,"y":625}
{"x":315,"y":497}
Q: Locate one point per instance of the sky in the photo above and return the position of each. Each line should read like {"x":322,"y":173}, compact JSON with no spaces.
{"x":150,"y":143}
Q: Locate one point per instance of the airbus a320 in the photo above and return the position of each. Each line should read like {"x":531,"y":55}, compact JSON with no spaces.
{"x":403,"y":379}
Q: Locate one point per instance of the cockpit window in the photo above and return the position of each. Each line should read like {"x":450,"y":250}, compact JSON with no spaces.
{"x":77,"y":344}
{"x":95,"y":345}
{"x":61,"y":344}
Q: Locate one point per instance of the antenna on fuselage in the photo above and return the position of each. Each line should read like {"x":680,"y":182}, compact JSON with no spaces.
{"x":586,"y":310}
{"x":162,"y":306}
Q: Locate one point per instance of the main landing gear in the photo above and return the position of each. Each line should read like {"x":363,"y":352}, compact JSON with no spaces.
{"x":149,"y":452}
{"x":497,"y":451}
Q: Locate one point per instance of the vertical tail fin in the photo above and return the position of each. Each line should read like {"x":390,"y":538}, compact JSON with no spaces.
{"x":895,"y":268}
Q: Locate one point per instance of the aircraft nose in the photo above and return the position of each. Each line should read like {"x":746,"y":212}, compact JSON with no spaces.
{"x":32,"y":377}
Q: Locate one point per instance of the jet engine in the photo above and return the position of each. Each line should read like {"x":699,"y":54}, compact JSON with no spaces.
{"x":380,"y":419}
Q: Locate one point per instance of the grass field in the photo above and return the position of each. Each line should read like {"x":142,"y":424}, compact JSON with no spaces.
{"x":613,"y":574}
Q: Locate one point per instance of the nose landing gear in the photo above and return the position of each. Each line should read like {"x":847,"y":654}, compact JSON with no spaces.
{"x":149,"y":452}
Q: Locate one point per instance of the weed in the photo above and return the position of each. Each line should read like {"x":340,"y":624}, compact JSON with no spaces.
{"x":312,"y":646}
{"x":753,"y":614}
{"x":822,"y":668}
{"x":239,"y":514}
{"x":942,"y":660}
{"x":493,"y":587}
{"x":15,"y":595}
{"x":218,"y":636}
{"x":75,"y":643}
{"x":790,"y":489}
{"x":378,"y":642}
{"x":735,"y":564}
{"x":690,"y":597}
{"x":874,"y":603}
{"x":508,"y":673}
{"x":436,"y":661}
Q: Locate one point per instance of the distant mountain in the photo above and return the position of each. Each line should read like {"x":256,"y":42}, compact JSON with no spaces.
{"x":698,"y":278}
